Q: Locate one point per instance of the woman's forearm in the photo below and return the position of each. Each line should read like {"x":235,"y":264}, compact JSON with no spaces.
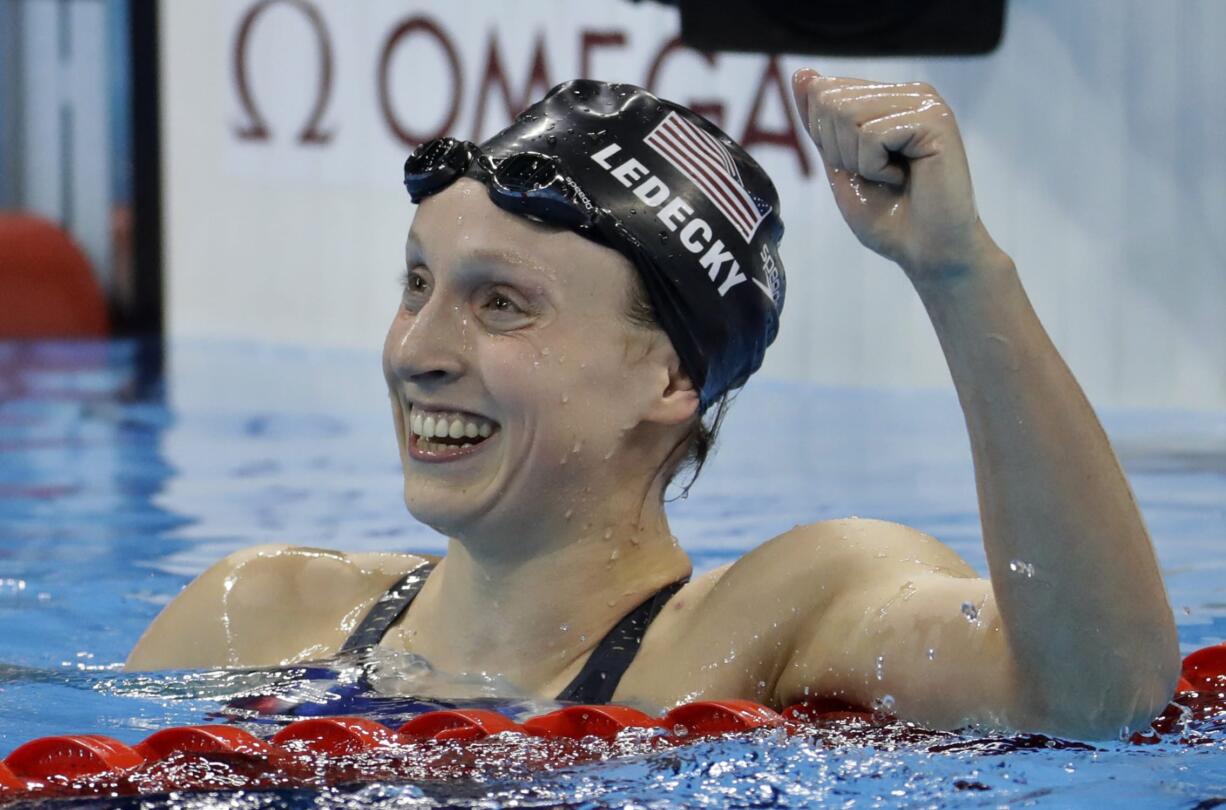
{"x":1073,"y":570}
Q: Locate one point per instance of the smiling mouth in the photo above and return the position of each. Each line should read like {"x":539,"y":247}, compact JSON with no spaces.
{"x":437,"y":435}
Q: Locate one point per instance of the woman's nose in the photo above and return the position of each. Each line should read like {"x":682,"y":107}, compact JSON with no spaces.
{"x":431,"y":349}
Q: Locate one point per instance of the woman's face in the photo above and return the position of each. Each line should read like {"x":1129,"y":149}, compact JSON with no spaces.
{"x":519,"y":389}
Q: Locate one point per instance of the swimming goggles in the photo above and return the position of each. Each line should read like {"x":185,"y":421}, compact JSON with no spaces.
{"x":526,"y":183}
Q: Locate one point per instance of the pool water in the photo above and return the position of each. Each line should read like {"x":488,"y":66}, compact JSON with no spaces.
{"x":126,"y":468}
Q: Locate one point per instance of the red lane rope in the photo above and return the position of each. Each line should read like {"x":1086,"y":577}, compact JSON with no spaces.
{"x":329,"y":750}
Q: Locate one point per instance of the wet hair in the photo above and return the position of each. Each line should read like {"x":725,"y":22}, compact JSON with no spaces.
{"x":699,"y":442}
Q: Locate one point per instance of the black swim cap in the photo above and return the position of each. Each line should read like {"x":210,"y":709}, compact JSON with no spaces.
{"x":668,"y":189}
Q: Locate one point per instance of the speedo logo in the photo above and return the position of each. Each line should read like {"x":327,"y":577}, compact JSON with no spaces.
{"x":694,"y":233}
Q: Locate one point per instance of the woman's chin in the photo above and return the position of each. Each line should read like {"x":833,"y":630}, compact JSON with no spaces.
{"x":437,"y":516}
{"x":452,"y":514}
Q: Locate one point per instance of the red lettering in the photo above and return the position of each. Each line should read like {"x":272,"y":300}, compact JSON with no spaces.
{"x":256,"y":128}
{"x":538,"y":83}
{"x":772,"y":78}
{"x":710,"y":109}
{"x":590,"y":41}
{"x":406,"y":29}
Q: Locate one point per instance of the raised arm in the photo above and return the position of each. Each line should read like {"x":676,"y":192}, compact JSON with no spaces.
{"x":1084,"y":627}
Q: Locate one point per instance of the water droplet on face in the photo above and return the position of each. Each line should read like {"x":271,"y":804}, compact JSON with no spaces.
{"x":563,"y":627}
{"x":932,"y":653}
{"x":970,"y":612}
{"x":565,"y":399}
{"x":879,"y":670}
{"x":885,"y":704}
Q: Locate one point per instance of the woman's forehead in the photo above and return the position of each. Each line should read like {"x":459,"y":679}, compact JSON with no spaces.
{"x":461,"y":226}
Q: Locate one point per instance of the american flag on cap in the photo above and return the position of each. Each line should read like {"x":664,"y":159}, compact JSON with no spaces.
{"x":706,"y":163}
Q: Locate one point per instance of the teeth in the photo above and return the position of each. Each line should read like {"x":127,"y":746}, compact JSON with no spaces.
{"x":429,"y":425}
{"x":428,"y":446}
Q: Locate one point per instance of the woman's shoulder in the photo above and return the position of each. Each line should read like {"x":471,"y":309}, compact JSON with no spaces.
{"x":788,"y":579}
{"x":269,"y":605}
{"x":731,"y":629}
{"x":816,"y":560}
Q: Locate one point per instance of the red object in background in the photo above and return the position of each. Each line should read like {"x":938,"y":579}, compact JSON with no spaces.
{"x":10,"y":780}
{"x":1205,"y":669}
{"x":721,"y":717}
{"x":824,"y":710}
{"x":458,"y":724}
{"x":47,"y":288}
{"x":210,"y":739}
{"x":72,"y":756}
{"x":577,"y":722}
{"x":335,"y":736}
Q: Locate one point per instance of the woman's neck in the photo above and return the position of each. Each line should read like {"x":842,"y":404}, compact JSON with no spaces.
{"x":529,"y":618}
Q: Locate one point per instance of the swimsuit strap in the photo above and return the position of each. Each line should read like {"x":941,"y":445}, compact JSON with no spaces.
{"x":598,"y":679}
{"x":390,"y":607}
{"x":602,"y":671}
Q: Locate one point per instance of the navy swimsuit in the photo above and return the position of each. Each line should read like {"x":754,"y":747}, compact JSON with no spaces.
{"x":595,"y":683}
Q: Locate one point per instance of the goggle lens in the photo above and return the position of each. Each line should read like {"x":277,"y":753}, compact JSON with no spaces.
{"x":525,"y":183}
{"x":526,"y":172}
{"x":436,"y":164}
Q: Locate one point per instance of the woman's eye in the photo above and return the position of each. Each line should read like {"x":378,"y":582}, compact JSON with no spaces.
{"x":503,"y":304}
{"x":414,"y":283}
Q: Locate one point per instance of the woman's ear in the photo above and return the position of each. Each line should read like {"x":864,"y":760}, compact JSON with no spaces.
{"x":677,"y":401}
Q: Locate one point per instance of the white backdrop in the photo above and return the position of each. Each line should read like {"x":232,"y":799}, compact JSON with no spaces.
{"x":1094,"y":136}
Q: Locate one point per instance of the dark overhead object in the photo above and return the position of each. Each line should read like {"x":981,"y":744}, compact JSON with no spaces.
{"x":844,"y":27}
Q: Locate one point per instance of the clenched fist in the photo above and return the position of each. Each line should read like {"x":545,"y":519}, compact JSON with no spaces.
{"x":898,"y":169}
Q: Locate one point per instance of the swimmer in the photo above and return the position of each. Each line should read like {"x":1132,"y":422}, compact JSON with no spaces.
{"x":582,"y":293}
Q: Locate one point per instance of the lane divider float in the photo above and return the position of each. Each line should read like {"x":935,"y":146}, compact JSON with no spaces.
{"x":324,"y":750}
